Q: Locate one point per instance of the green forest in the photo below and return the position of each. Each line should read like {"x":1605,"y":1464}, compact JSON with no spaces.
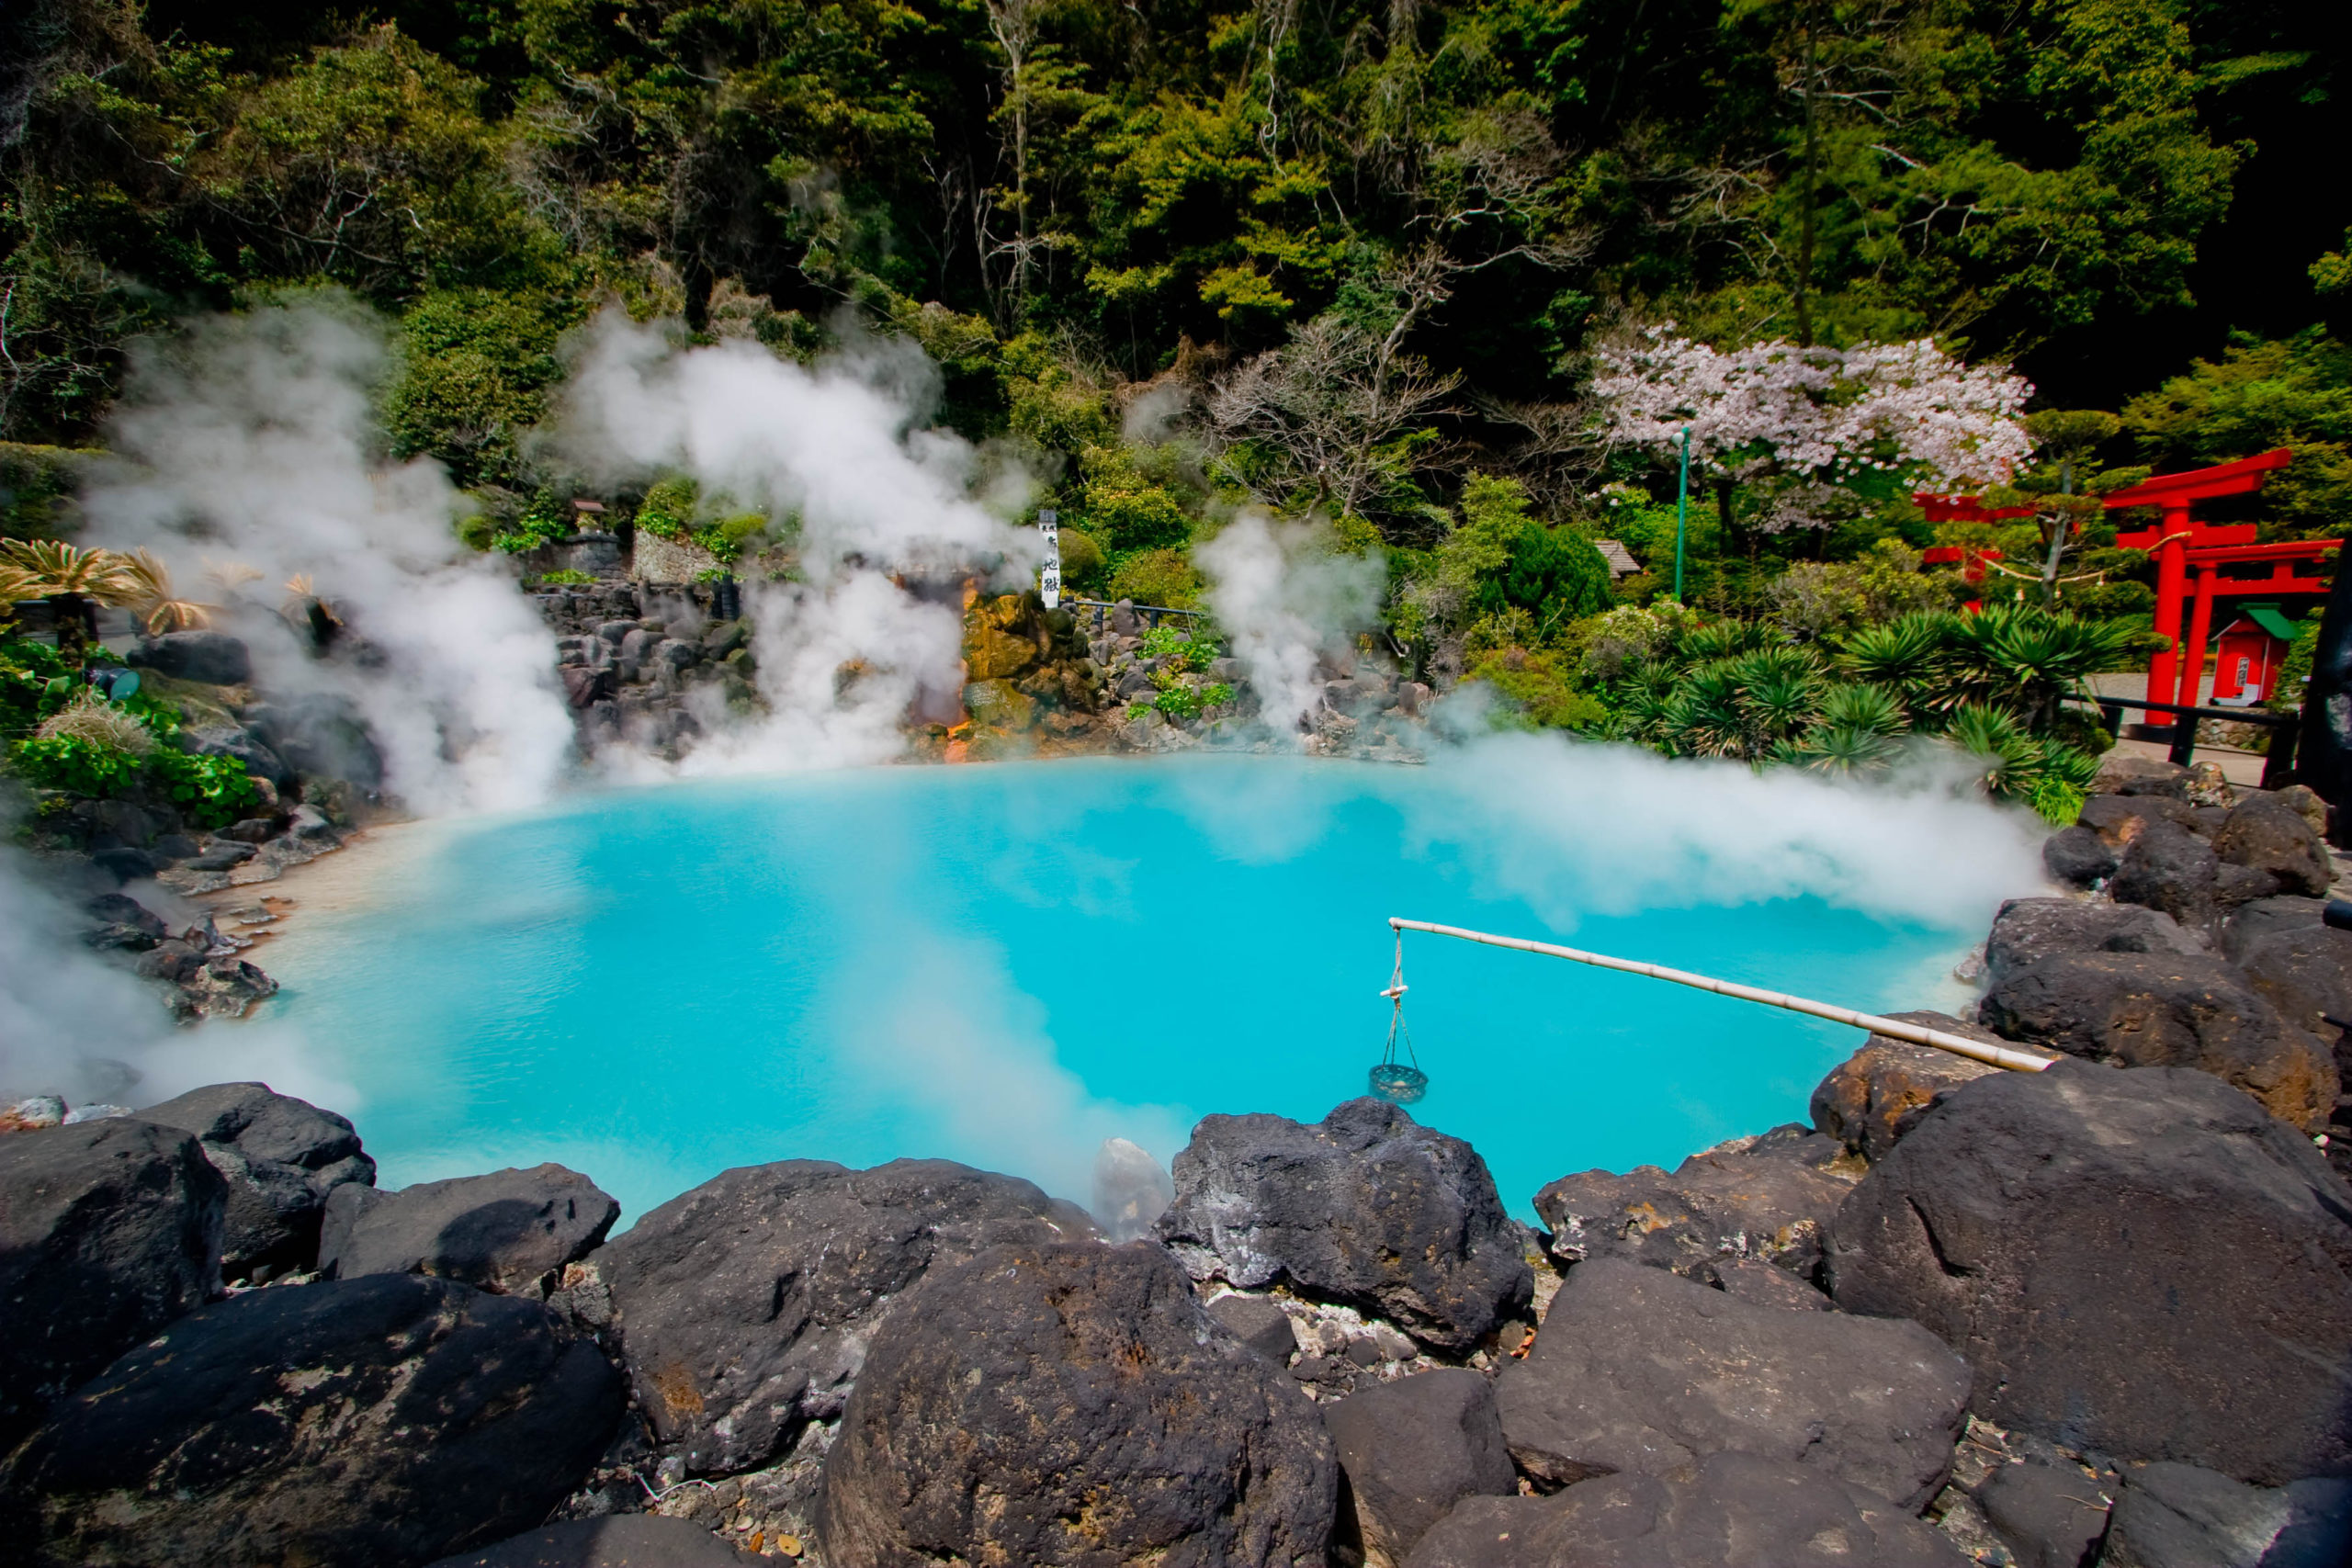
{"x":1365,"y":261}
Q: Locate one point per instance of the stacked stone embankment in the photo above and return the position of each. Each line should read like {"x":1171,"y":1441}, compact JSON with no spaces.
{"x":2096,"y":1314}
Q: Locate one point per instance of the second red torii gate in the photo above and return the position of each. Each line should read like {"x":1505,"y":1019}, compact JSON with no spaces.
{"x":2173,"y":674}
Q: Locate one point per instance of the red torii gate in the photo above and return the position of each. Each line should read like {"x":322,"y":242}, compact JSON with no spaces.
{"x":2180,"y":541}
{"x":1970,"y":559}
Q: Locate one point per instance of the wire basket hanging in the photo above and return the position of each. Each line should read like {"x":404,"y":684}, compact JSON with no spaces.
{"x":1399,"y":1082}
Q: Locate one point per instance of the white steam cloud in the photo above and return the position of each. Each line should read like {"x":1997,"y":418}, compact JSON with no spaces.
{"x":1286,"y":601}
{"x":74,"y":1025}
{"x":883,"y":506}
{"x":1576,"y":827}
{"x":253,"y":440}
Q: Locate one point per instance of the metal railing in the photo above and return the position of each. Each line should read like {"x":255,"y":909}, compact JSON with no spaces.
{"x":1103,"y":609}
{"x":2286,"y":728}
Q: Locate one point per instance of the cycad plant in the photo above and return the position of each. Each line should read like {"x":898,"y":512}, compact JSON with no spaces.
{"x":2009,"y":763}
{"x":2029,"y":660}
{"x":1859,"y":732}
{"x":158,"y":607}
{"x":1742,"y":706}
{"x":1905,"y":657}
{"x":71,"y":579}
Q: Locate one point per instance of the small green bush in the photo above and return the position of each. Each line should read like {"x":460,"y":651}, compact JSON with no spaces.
{"x":211,"y":791}
{"x":1156,"y":577}
{"x":1083,"y":560}
{"x":568,"y":577}
{"x":1140,"y":518}
{"x":76,"y":765}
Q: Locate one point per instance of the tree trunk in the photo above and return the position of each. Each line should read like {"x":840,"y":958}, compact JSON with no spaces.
{"x":72,"y":611}
{"x":1805,"y":195}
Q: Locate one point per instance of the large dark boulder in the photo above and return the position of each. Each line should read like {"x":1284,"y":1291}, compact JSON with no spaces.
{"x":281,"y":1156}
{"x":1737,"y":1510}
{"x":1071,"y":1404}
{"x":1870,"y":1099}
{"x":2169,"y":868}
{"x":1366,"y":1208}
{"x":1765,"y":1197}
{"x":2265,"y":834}
{"x":2302,"y":966}
{"x":2132,"y":1260}
{"x":616,"y":1540}
{"x":2179,"y":1515}
{"x":213,"y":658}
{"x":108,"y":1230}
{"x":1408,"y":1452}
{"x":745,"y":1305}
{"x":2030,"y":929}
{"x":387,"y":1420}
{"x":2051,"y":1517}
{"x":508,"y":1231}
{"x":2144,"y":1010}
{"x":1638,"y":1370}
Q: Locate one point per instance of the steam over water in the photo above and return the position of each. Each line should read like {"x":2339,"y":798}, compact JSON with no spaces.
{"x":1007,"y":964}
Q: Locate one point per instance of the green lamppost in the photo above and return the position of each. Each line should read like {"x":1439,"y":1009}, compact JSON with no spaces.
{"x":1682,"y":514}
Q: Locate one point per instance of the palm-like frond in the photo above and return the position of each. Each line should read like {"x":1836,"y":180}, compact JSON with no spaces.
{"x":1905,"y":655}
{"x":228,"y":576}
{"x":1863,"y":707}
{"x":160,"y":609}
{"x":1847,"y":749}
{"x":40,"y":568}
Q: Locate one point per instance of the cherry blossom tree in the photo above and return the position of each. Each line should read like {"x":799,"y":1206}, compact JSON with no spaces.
{"x":1807,"y":423}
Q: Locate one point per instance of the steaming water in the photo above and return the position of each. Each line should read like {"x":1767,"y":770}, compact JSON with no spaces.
{"x":1005,"y":965}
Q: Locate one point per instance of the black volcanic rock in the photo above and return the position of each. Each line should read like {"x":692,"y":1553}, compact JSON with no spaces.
{"x":1071,"y":1404}
{"x":2144,"y":1010}
{"x":1366,"y":1208}
{"x":2132,"y":1260}
{"x":390,"y":1419}
{"x":281,"y":1156}
{"x":1765,"y":1197}
{"x":1409,"y":1450}
{"x":1636,"y":1369}
{"x":1735,"y":1510}
{"x":108,"y":1230}
{"x":508,"y":1231}
{"x":745,"y":1305}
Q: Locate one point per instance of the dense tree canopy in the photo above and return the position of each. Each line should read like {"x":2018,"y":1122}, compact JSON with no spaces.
{"x":1378,"y":261}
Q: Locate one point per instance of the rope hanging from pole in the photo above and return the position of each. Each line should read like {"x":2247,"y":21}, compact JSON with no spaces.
{"x":1896,"y":1029}
{"x":1399,"y":1082}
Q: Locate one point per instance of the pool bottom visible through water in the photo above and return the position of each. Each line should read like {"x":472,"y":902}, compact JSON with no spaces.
{"x":1005,"y":966}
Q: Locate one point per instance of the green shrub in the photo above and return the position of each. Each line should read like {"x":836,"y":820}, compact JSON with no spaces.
{"x":568,"y":577}
{"x":1083,"y":560}
{"x":1156,"y":577}
{"x":75,"y":765}
{"x":1140,"y":518}
{"x":668,"y":510}
{"x":210,"y":792}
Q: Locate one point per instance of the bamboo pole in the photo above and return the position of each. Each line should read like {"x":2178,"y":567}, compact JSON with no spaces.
{"x":1917,"y":1034}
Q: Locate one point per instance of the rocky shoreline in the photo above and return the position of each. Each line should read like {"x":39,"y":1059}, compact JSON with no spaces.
{"x":2099,"y":1313}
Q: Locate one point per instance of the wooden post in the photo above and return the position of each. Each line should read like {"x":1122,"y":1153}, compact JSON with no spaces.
{"x":2171,"y":579}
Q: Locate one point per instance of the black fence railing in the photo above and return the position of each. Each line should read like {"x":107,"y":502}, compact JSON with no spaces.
{"x":1103,"y":609}
{"x":2286,"y":728}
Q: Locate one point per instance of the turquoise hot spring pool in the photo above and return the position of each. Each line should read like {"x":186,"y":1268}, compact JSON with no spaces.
{"x":1006,"y":965}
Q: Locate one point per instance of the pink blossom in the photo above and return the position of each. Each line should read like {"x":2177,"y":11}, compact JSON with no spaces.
{"x":1808,"y":417}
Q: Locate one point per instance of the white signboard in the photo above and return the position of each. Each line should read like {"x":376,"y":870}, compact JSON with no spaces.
{"x":1049,"y":580}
